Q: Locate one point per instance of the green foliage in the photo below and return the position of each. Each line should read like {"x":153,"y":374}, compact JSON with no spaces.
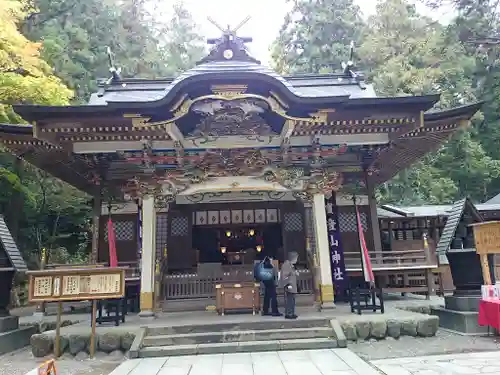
{"x":76,"y":35}
{"x":316,"y":35}
{"x":405,"y":53}
{"x":24,"y":76}
{"x":47,"y":44}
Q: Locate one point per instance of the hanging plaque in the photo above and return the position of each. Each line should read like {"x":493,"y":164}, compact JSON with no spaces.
{"x":213,"y":217}
{"x":225,"y":217}
{"x":260,"y":216}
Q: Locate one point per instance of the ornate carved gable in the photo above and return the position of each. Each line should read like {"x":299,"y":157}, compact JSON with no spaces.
{"x":235,"y":117}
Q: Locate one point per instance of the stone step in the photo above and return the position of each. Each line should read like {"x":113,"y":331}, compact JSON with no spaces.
{"x":237,"y":336}
{"x":262,"y":324}
{"x":16,"y":339}
{"x":200,"y":304}
{"x":237,"y":347}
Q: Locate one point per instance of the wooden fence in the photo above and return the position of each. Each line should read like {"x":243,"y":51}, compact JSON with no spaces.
{"x":186,"y":286}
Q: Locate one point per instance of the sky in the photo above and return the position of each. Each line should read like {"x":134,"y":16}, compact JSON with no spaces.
{"x":267,"y":18}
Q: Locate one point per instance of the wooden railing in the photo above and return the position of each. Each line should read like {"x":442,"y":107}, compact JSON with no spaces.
{"x":184,"y":286}
{"x":392,"y":259}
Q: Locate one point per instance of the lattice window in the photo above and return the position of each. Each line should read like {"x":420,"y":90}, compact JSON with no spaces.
{"x":161,"y":232}
{"x":293,"y":222}
{"x":124,"y":230}
{"x":179,"y":226}
{"x":347,"y":222}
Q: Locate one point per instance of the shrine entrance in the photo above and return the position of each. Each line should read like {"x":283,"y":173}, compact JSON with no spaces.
{"x":222,"y":241}
{"x":238,"y":245}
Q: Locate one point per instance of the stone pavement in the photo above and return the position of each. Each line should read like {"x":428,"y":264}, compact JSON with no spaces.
{"x":306,"y":362}
{"x":451,"y":364}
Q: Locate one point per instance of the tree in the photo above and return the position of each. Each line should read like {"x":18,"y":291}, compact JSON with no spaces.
{"x":411,"y":54}
{"x":77,"y":33}
{"x":316,"y":35}
{"x":404,"y":53}
{"x":74,"y":37}
{"x":24,"y":76}
{"x":180,"y":44}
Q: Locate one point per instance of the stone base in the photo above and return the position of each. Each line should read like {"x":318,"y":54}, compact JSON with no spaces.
{"x":9,"y":323}
{"x":147,"y":314}
{"x":327,"y":306}
{"x":464,"y":322}
{"x":39,"y":314}
{"x":462,"y":303}
{"x":16,"y":339}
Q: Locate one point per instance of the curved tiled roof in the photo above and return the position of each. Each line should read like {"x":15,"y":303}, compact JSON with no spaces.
{"x":301,"y":86}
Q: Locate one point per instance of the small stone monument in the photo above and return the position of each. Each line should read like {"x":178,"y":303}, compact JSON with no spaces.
{"x":11,"y":263}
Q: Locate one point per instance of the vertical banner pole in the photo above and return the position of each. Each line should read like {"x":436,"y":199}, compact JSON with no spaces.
{"x":485,"y":265}
{"x":92,"y":335}
{"x":57,"y":346}
{"x":363,"y":271}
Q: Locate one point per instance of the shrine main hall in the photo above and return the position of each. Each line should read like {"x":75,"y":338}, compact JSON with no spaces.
{"x":206,"y":173}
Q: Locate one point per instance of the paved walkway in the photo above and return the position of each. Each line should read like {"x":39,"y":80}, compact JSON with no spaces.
{"x":306,"y":362}
{"x":452,"y":364}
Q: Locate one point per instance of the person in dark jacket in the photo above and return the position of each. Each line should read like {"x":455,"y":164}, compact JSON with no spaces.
{"x":270,"y":295}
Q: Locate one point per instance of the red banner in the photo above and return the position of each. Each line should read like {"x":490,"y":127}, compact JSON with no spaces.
{"x":365,"y":257}
{"x":113,"y":259}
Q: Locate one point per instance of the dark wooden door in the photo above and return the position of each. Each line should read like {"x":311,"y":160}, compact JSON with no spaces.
{"x":180,"y":252}
{"x":293,"y":229}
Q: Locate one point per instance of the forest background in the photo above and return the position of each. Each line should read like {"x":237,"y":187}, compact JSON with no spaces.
{"x":53,"y":52}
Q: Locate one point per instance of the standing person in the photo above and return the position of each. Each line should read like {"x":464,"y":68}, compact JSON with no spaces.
{"x":289,"y":283}
{"x":268,"y":280}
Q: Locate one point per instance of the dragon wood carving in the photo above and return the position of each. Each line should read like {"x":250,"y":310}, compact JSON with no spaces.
{"x":304,"y":185}
{"x":241,"y":117}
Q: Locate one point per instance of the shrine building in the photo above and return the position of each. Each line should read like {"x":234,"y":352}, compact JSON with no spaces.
{"x":206,"y":173}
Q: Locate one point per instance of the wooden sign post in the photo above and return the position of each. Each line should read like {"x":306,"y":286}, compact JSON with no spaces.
{"x":487,"y":239}
{"x":76,"y":284}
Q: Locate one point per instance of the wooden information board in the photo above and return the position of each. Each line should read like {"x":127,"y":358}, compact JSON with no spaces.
{"x":487,"y":237}
{"x":70,"y":284}
{"x":487,"y":240}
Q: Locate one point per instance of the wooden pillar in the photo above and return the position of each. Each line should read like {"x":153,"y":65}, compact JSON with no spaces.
{"x":323,"y":251}
{"x":96,"y":215}
{"x":390,"y":228}
{"x":148,"y":256}
{"x":312,"y":258}
{"x":431,"y":290}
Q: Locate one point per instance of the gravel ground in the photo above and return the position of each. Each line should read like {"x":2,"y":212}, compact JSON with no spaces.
{"x":443,"y":343}
{"x":22,"y":361}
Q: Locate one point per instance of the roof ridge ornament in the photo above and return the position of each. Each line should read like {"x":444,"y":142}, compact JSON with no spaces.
{"x":115,"y":72}
{"x":349,"y":68}
{"x":229,"y":46}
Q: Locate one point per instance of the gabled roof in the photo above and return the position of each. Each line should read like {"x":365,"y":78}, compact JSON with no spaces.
{"x":454,"y":216}
{"x":9,"y":246}
{"x":494,"y":200}
{"x":304,"y":85}
{"x":229,"y":63}
{"x":437,"y":128}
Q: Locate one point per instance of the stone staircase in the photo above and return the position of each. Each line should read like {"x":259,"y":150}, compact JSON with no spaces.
{"x":270,"y":334}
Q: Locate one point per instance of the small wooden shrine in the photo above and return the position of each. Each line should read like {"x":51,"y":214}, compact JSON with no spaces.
{"x":11,"y":262}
